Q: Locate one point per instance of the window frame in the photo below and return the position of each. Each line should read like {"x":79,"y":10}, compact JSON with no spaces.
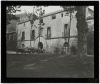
{"x":61,"y":14}
{"x":41,"y":20}
{"x":66,"y":32}
{"x":24,"y":24}
{"x":48,"y":34}
{"x":53,"y":16}
{"x":32,"y":37}
{"x":41,"y":31}
{"x":23,"y":36}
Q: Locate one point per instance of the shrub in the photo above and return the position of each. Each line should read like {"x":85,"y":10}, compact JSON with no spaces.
{"x":56,"y":50}
{"x":74,"y":50}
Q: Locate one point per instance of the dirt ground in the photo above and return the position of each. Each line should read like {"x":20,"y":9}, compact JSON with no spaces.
{"x":49,"y":66}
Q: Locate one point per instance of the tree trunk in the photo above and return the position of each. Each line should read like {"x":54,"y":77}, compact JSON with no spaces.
{"x":82,"y":29}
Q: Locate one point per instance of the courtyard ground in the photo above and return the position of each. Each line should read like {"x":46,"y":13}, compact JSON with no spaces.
{"x":49,"y":66}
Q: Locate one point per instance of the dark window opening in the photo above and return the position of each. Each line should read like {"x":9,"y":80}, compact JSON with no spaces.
{"x":41,"y":20}
{"x":67,"y":14}
{"x":41,"y":31}
{"x":65,"y":30}
{"x":14,"y":36}
{"x":53,"y":16}
{"x":48,"y":32}
{"x":23,"y":45}
{"x":33,"y":35}
{"x":10,"y":36}
{"x":24,"y":24}
{"x":40,"y":45}
{"x":65,"y":44}
{"x":61,"y":14}
{"x":23,"y":36}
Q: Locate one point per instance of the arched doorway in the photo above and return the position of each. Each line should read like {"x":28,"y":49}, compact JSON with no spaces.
{"x":65,"y":46}
{"x":40,"y":45}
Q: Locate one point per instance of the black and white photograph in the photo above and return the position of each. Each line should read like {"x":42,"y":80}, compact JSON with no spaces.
{"x":50,"y":41}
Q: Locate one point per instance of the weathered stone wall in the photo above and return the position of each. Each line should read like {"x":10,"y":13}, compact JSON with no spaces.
{"x":57,"y":31}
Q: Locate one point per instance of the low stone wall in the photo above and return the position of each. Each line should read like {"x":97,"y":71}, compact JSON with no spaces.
{"x":51,"y":45}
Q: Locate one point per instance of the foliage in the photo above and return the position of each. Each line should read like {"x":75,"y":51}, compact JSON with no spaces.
{"x":56,"y":50}
{"x":73,"y":50}
{"x":37,"y":12}
{"x":10,"y":10}
{"x":90,"y":42}
{"x":32,"y":17}
{"x":82,"y":28}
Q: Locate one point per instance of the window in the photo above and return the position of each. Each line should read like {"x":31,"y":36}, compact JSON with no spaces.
{"x":53,"y":16}
{"x":61,"y":14}
{"x":65,"y":30}
{"x":41,"y":20}
{"x":33,"y":35}
{"x":14,"y":36}
{"x":65,"y":44}
{"x":67,"y":14}
{"x":10,"y":37}
{"x":41,"y":31}
{"x":23,"y":36}
{"x":48,"y":32}
{"x":23,"y":46}
{"x":24,"y":24}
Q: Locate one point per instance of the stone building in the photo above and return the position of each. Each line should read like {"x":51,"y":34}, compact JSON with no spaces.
{"x":54,"y":32}
{"x":11,"y":35}
{"x":57,"y":32}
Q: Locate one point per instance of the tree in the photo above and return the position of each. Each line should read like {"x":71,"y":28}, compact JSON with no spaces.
{"x":10,"y":10}
{"x":37,"y":13}
{"x":82,"y":26}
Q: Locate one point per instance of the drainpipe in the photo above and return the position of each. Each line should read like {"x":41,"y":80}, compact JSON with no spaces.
{"x":69,"y":31}
{"x":31,"y":29}
{"x":30,"y":36}
{"x":39,"y":27}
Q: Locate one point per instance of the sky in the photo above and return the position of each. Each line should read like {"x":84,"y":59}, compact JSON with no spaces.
{"x":47,"y":9}
{"x":29,"y":9}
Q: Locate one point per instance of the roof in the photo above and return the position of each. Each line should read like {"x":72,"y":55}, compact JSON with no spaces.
{"x":52,"y":13}
{"x":91,"y":10}
{"x":59,"y":11}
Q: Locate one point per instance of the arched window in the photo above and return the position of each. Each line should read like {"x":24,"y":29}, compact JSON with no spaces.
{"x":40,"y":45}
{"x":23,"y":36}
{"x":23,"y":45}
{"x":66,"y":30}
{"x":49,"y":32}
{"x":65,"y":44}
{"x":33,"y":35}
{"x":41,"y":31}
{"x":54,"y":16}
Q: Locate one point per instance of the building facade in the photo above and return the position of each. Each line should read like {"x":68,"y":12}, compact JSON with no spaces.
{"x":57,"y":33}
{"x":53,"y":34}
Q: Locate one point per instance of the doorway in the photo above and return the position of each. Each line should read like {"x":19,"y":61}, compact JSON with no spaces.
{"x":40,"y":45}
